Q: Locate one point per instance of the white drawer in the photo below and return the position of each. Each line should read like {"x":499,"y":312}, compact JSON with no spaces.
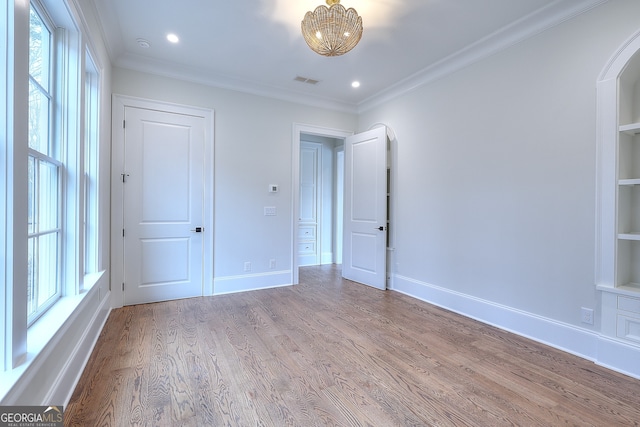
{"x":307,"y":232}
{"x":306,"y":248}
{"x":629,"y":304}
{"x":628,"y":328}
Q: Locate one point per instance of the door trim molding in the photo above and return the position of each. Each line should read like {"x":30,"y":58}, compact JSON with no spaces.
{"x":298,"y":129}
{"x":119,"y":103}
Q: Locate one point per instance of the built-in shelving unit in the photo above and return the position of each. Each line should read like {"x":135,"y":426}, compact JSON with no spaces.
{"x":619,"y":151}
{"x":628,"y":205}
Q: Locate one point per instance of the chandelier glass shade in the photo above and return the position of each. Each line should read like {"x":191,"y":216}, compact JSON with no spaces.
{"x":333,"y":30}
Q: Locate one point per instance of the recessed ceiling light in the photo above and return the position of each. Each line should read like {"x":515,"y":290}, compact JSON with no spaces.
{"x":172,"y":38}
{"x":355,"y":84}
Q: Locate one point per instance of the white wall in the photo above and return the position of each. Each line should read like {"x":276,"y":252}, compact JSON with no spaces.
{"x":495,"y":191}
{"x":253,"y":137}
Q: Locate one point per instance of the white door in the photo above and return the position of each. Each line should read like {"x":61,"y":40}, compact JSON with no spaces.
{"x":365,"y":208}
{"x":163,"y":205}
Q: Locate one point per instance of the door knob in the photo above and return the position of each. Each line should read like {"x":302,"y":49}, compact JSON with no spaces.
{"x":197,"y":230}
{"x":381,"y":228}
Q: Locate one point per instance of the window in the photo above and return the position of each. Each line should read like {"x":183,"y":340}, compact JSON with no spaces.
{"x":44,"y":175}
{"x":49,"y":147}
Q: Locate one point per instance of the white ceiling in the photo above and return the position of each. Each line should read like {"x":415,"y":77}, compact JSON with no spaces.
{"x":256,"y":45}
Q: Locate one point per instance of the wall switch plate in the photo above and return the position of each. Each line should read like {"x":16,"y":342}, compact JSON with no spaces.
{"x":586,"y":315}
{"x":269,"y":210}
{"x":272,"y":263}
{"x":247,"y":266}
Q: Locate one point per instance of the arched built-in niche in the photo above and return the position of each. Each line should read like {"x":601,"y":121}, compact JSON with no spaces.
{"x":618,"y":234}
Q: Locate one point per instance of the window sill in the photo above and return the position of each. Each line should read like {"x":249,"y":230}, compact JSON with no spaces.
{"x":44,"y":330}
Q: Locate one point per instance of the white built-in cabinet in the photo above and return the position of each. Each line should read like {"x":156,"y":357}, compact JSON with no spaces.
{"x":619,"y":195}
{"x":308,"y":222}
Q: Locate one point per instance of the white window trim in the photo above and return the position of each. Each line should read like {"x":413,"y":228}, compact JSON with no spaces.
{"x":91,"y":138}
{"x":5,"y":89}
{"x":16,"y":18}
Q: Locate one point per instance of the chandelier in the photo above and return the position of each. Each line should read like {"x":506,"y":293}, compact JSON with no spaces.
{"x":333,"y":30}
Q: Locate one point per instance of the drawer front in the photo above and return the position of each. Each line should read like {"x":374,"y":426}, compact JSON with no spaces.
{"x":629,"y":304}
{"x":306,"y":248}
{"x":307,"y":232}
{"x":628,"y":328}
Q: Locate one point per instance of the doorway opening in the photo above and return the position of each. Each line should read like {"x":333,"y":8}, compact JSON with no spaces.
{"x":320,"y":203}
{"x":367,"y":256}
{"x":318,"y":171}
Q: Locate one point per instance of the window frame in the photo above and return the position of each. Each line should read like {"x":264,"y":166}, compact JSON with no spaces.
{"x":38,"y":236}
{"x":67,"y":115}
{"x":49,"y":156}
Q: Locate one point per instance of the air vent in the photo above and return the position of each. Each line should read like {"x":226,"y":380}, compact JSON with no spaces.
{"x":306,"y":80}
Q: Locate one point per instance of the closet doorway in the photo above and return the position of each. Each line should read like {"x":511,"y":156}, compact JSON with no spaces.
{"x":320,"y":207}
{"x":318,"y":196}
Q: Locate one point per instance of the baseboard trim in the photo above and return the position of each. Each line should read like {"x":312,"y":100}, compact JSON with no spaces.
{"x":65,"y":384}
{"x":251,"y":282}
{"x":618,"y":356}
{"x":578,"y":341}
{"x":326,"y":258}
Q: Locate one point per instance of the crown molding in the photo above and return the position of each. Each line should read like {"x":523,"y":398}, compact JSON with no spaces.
{"x":108,"y":24}
{"x":171,"y":70}
{"x":535,"y":23}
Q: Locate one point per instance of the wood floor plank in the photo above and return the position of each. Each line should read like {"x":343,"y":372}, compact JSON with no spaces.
{"x":330,"y":352}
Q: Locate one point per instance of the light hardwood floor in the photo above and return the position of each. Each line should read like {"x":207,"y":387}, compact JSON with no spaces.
{"x":330,"y":352}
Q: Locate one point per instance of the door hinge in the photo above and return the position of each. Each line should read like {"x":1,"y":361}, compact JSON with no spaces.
{"x":123,"y":124}
{"x":123,"y":232}
{"x":122,"y":286}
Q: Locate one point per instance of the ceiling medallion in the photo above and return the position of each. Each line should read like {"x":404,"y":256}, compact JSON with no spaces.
{"x":333,"y":30}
